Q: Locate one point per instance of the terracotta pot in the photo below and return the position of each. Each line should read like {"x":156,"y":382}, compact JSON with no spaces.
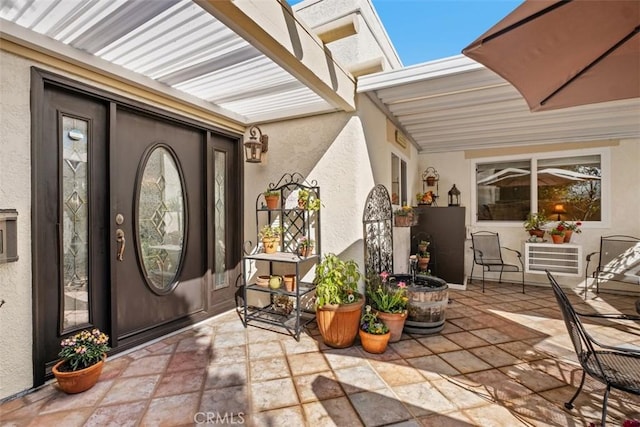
{"x":272,"y":201}
{"x":395,"y":323}
{"x":372,"y":343}
{"x":270,"y":245}
{"x":423,"y":263}
{"x":537,"y":233}
{"x":557,"y":238}
{"x":302,"y":204}
{"x":339,"y":324}
{"x":422,"y":248}
{"x":78,"y":381}
{"x":567,"y":236}
{"x":403,"y":221}
{"x":263,"y":281}
{"x":290,"y":282}
{"x":306,"y":251}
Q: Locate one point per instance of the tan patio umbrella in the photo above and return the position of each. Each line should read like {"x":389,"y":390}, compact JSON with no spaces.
{"x":565,"y":53}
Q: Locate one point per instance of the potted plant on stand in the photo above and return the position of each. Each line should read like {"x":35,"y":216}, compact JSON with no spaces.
{"x":305,"y":246}
{"x":389,"y":300}
{"x":271,"y":197}
{"x":404,"y":216}
{"x":83,"y":357}
{"x":308,"y":200}
{"x":338,"y":303}
{"x":423,"y":256}
{"x":374,"y":334}
{"x":535,"y":222}
{"x":270,"y":236}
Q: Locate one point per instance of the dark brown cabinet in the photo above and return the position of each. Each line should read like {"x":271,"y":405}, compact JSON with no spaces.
{"x":445,"y":229}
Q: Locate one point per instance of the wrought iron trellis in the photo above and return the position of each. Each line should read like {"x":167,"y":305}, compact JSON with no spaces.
{"x":294,"y":222}
{"x":378,"y":231}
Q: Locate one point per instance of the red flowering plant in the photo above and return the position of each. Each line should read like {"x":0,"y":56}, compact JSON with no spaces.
{"x":558,"y":230}
{"x":83,"y":349}
{"x":385,"y":294}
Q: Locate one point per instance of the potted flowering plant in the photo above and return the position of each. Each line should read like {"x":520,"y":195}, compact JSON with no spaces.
{"x":557,"y":233}
{"x":404,"y":216}
{"x":374,"y":334}
{"x":570,"y":228}
{"x":82,"y":357}
{"x":389,"y":300}
{"x":338,"y":303}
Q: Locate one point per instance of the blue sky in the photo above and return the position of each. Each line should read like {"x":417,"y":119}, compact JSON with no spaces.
{"x":424,"y":30}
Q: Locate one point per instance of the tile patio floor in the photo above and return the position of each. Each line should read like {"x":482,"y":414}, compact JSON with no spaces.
{"x":503,"y":359}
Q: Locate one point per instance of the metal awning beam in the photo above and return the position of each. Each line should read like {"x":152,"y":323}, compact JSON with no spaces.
{"x":271,"y":27}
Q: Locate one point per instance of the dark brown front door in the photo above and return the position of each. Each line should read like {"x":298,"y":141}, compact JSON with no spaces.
{"x":157,"y":215}
{"x":135,"y":224}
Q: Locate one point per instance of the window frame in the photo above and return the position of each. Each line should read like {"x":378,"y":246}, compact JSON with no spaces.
{"x":605,"y":165}
{"x":403,"y":198}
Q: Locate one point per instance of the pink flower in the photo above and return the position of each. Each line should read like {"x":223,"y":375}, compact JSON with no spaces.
{"x":402,"y":285}
{"x":384,"y":275}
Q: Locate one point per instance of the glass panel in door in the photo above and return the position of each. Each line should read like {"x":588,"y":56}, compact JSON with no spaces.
{"x":75,"y":229}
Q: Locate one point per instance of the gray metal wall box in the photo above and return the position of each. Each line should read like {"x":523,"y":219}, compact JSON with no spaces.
{"x":8,"y":235}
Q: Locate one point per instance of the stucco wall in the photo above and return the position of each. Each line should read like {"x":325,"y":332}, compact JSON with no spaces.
{"x":347,"y":154}
{"x":625,"y":206}
{"x":15,"y":193}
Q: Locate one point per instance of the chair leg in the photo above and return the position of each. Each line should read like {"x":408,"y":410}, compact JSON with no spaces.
{"x":569,"y":404}
{"x":500,"y":277}
{"x":604,"y":405}
{"x":473,"y":265}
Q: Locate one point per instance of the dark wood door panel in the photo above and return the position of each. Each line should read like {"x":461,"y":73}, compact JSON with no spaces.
{"x":138,"y":307}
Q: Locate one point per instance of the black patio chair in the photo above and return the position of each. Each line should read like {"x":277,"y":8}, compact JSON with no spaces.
{"x":616,"y":367}
{"x":487,"y":253}
{"x":617,"y":254}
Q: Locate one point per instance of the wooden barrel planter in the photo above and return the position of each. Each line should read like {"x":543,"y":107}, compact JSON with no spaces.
{"x":428,"y":300}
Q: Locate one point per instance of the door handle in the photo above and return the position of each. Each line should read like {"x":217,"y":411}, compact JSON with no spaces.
{"x":121,"y":243}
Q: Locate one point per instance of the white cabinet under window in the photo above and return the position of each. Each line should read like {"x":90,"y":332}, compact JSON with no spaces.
{"x":561,"y":259}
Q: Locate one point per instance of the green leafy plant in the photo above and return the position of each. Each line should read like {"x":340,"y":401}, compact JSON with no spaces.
{"x":336,"y":281}
{"x":385,"y":294}
{"x":270,"y":193}
{"x":370,"y":323}
{"x":572,"y":226}
{"x":308,"y":200}
{"x":84,"y":349}
{"x":269,"y":232}
{"x":535,"y":221}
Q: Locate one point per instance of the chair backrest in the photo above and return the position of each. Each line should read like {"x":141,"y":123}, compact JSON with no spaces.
{"x":579,"y":337}
{"x":486,"y":248}
{"x":612,"y":250}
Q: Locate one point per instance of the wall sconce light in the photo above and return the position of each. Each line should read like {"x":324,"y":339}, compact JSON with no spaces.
{"x":454,"y":196}
{"x":559,"y":209}
{"x":256,"y":146}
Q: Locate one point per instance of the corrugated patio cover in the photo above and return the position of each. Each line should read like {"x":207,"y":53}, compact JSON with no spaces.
{"x":565,"y":53}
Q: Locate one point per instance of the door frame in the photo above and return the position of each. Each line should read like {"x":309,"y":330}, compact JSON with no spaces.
{"x":40,"y":79}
